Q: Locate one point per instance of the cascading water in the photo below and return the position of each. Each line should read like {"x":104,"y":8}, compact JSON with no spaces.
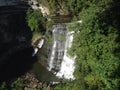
{"x":57,"y":51}
{"x":35,"y":51}
{"x":53,"y":52}
{"x":59,"y":62}
{"x":40,"y":44}
{"x":68,"y":63}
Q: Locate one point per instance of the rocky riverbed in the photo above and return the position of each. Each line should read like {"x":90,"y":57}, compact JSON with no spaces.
{"x":32,"y":83}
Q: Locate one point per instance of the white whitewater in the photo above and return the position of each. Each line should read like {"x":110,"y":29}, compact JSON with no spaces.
{"x":59,"y":62}
{"x":40,"y":44}
{"x":68,"y":63}
{"x":35,"y":51}
{"x":53,"y":52}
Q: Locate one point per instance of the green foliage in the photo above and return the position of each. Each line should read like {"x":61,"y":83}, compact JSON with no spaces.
{"x":17,"y":84}
{"x":61,"y":38}
{"x":14,"y":85}
{"x":35,"y":19}
{"x":43,"y":2}
{"x":46,"y":88}
{"x":53,"y":5}
{"x":67,"y":6}
{"x":3,"y":86}
{"x":49,"y":39}
{"x":96,"y":44}
{"x":49,"y":24}
{"x":74,"y":85}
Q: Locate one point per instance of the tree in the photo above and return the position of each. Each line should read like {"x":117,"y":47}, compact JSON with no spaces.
{"x":35,"y":20}
{"x":17,"y":84}
{"x":49,"y":24}
{"x":94,"y":46}
{"x":3,"y":86}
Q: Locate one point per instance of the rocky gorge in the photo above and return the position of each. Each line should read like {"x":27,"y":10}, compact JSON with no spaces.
{"x":16,"y":50}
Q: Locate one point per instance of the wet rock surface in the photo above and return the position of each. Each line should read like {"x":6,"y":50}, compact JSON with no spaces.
{"x":32,"y":83}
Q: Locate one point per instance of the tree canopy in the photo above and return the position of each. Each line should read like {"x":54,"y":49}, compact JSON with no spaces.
{"x":35,"y":20}
{"x":96,"y":44}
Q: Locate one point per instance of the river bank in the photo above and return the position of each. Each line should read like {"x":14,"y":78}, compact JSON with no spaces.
{"x":30,"y":82}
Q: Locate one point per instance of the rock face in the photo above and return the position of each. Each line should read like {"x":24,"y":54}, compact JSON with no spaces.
{"x":38,"y":46}
{"x":32,"y":83}
{"x":35,"y":5}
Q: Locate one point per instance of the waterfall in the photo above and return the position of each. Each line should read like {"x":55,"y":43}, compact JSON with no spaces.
{"x":35,"y":51}
{"x":52,"y":57}
{"x":59,"y":62}
{"x":39,"y":45}
{"x":68,"y":63}
{"x":57,"y":51}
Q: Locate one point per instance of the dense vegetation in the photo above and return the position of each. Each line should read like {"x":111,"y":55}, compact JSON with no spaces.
{"x":96,"y":42}
{"x":15,"y":85}
{"x":37,"y":23}
{"x":67,"y":6}
{"x":35,"y":20}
